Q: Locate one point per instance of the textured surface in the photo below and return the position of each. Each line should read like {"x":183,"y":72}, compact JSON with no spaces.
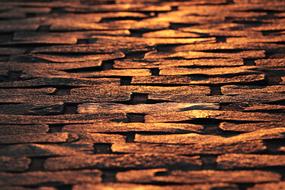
{"x":142,"y":94}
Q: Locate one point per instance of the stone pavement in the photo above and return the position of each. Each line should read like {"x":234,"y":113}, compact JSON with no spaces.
{"x":142,"y":94}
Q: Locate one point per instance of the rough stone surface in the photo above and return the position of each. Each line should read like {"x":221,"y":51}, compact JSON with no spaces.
{"x":142,"y":94}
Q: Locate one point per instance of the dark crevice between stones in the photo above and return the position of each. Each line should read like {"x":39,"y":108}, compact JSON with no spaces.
{"x":55,"y":128}
{"x":163,"y":173}
{"x":225,"y":51}
{"x":37,"y":164}
{"x":14,"y":75}
{"x":150,"y":101}
{"x":272,"y":111}
{"x":135,"y":117}
{"x":272,"y":145}
{"x":245,"y":186}
{"x":70,"y":108}
{"x":221,"y":39}
{"x":175,"y":26}
{"x":30,"y":15}
{"x":180,"y":166}
{"x":209,"y":162}
{"x":165,"y":47}
{"x":154,"y":72}
{"x":198,"y":77}
{"x":126,"y":80}
{"x":277,"y":169}
{"x":6,"y":37}
{"x":135,"y":54}
{"x":102,"y":148}
{"x":233,"y":106}
{"x":174,"y":8}
{"x":4,"y":58}
{"x":107,"y":64}
{"x":138,"y":98}
{"x":109,"y":176}
{"x":249,"y":62}
{"x":57,"y":10}
{"x":271,"y":32}
{"x":86,"y":41}
{"x":140,"y":32}
{"x":63,"y":90}
{"x":64,"y":187}
{"x":130,"y":137}
{"x":88,"y":2}
{"x":275,"y":53}
{"x":215,"y":90}
{"x":153,"y":13}
{"x":43,"y":28}
{"x":272,"y":78}
{"x":26,"y":58}
{"x":281,"y":102}
{"x":85,"y":69}
{"x":112,"y":19}
{"x":249,"y":23}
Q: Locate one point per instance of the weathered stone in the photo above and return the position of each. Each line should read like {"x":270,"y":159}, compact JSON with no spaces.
{"x":154,"y":94}
{"x":233,"y":89}
{"x":121,"y":161}
{"x":64,"y":59}
{"x":10,"y":164}
{"x":207,"y":71}
{"x":264,"y":186}
{"x":99,"y":138}
{"x":193,"y":138}
{"x":28,"y":91}
{"x":108,"y":127}
{"x":187,"y":80}
{"x":32,"y":138}
{"x":64,"y":177}
{"x":195,"y":55}
{"x":124,"y":64}
{"x":198,"y":148}
{"x":143,"y":108}
{"x":270,"y":62}
{"x":23,"y":129}
{"x":122,"y":186}
{"x":248,"y":127}
{"x":206,"y":176}
{"x":56,"y":119}
{"x":36,"y":150}
{"x":212,"y":114}
{"x":229,"y":161}
{"x":59,"y":82}
{"x":24,"y":109}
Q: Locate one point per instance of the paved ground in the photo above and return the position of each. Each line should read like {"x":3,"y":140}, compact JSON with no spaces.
{"x":142,"y":94}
